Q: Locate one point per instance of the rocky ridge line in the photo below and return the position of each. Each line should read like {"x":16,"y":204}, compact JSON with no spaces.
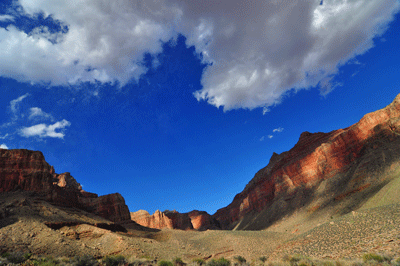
{"x":28,"y":171}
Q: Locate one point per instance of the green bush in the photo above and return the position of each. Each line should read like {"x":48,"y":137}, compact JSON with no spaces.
{"x":114,"y":260}
{"x":43,"y":261}
{"x":199,"y":261}
{"x":165,"y":263}
{"x":16,"y":258}
{"x":85,"y":260}
{"x":263,"y":259}
{"x":5,"y":255}
{"x":178,"y":261}
{"x":375,"y":257}
{"x":219,"y":262}
{"x":240,"y":259}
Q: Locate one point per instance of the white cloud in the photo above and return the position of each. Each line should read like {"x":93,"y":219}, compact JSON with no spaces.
{"x":4,"y":137}
{"x":262,"y":138}
{"x":279,"y":129}
{"x":270,"y":136}
{"x":14,"y":104}
{"x":265,"y":110}
{"x":38,"y":113}
{"x":43,"y":130}
{"x":259,"y":50}
{"x":4,"y":18}
{"x":3,"y":146}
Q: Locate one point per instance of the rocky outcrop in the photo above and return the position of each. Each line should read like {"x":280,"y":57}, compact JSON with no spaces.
{"x":179,"y":220}
{"x":111,"y":206}
{"x":353,"y":159}
{"x":28,"y":171}
{"x":66,"y":180}
{"x":25,"y":170}
{"x":158,"y":220}
{"x":198,"y":220}
{"x":201,"y":220}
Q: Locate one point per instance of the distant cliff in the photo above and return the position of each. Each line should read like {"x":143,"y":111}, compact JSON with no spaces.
{"x":27,"y":170}
{"x":198,"y":220}
{"x":338,"y":170}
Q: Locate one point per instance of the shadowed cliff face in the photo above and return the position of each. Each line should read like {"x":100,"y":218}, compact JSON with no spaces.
{"x":351,"y":158}
{"x":28,"y":171}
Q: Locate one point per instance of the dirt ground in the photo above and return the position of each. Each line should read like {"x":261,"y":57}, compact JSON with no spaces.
{"x":29,"y":224}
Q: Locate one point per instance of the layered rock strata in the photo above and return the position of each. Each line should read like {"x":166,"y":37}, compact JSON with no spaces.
{"x":28,"y":171}
{"x":337,"y":170}
{"x":354,"y":158}
{"x":198,"y":220}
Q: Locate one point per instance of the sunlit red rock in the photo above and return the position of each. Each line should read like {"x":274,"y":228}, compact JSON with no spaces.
{"x":198,"y":220}
{"x":158,"y":220}
{"x":315,"y":157}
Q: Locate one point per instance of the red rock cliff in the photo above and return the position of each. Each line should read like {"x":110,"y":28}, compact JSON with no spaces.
{"x":198,"y":220}
{"x":158,"y":220}
{"x":28,"y":170}
{"x":316,"y":157}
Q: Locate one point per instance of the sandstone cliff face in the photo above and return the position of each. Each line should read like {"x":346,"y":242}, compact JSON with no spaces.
{"x":201,"y":220}
{"x":111,"y":206}
{"x":27,"y":170}
{"x":158,"y":220}
{"x":350,"y":158}
{"x":198,"y":220}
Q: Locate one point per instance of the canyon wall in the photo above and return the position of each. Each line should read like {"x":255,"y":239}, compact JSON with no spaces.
{"x":27,"y":170}
{"x":198,"y":220}
{"x":355,"y":157}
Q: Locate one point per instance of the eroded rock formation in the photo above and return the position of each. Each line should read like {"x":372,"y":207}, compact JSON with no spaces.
{"x":352,"y":159}
{"x":157,"y":220}
{"x":198,"y":220}
{"x":27,"y":170}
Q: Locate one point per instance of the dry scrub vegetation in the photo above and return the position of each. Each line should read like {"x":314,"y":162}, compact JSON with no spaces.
{"x":27,"y":259}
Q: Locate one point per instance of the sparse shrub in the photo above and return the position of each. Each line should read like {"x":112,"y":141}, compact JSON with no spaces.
{"x":240,"y":259}
{"x":328,"y":263}
{"x":165,"y":263}
{"x":85,"y":260}
{"x":139,"y":262}
{"x":114,"y":260}
{"x":41,"y":262}
{"x":16,"y":258}
{"x":305,"y":262}
{"x":263,"y":259}
{"x":199,"y":261}
{"x":178,"y":262}
{"x":219,"y":262}
{"x":47,"y":261}
{"x":375,"y":257}
{"x":5,"y":255}
{"x":298,"y":260}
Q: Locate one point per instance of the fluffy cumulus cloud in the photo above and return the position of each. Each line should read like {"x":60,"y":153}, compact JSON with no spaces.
{"x":3,"y":146}
{"x":259,"y":50}
{"x":44,"y":130}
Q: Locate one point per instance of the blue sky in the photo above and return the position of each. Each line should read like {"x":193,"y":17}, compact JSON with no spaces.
{"x":175,"y":104}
